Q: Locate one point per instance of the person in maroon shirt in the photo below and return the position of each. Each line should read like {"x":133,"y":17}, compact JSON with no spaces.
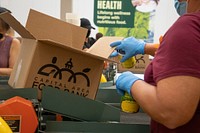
{"x":170,"y":92}
{"x":9,"y":47}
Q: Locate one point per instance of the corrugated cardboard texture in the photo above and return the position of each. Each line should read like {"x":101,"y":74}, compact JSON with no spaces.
{"x":46,"y":27}
{"x":8,"y":18}
{"x":51,"y":65}
{"x":51,"y":61}
{"x":22,"y":66}
{"x":102,"y":46}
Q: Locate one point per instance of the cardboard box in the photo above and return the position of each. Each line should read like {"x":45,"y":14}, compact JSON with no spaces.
{"x":51,"y":55}
{"x":142,"y":61}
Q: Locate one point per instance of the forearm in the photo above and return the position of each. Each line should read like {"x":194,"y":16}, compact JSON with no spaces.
{"x":5,"y":71}
{"x":152,"y":103}
{"x":145,"y":95}
{"x":150,"y":49}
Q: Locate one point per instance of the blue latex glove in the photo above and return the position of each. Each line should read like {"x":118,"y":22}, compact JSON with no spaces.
{"x":125,"y":82}
{"x":130,"y":46}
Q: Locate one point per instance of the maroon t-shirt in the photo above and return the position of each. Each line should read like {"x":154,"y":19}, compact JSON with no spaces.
{"x":178,"y":54}
{"x":5,"y":51}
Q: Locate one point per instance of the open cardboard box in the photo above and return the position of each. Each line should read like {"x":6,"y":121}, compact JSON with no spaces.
{"x":51,"y":55}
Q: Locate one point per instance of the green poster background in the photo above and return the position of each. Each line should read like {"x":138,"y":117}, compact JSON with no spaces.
{"x":142,"y":27}
{"x":114,"y":13}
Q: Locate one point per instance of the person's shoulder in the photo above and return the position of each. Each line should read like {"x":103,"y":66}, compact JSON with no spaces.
{"x":191,"y":17}
{"x":15,"y":43}
{"x":15,"y":40}
{"x":188,"y":21}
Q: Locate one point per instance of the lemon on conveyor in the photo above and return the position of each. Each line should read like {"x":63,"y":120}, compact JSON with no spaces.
{"x":128,"y":104}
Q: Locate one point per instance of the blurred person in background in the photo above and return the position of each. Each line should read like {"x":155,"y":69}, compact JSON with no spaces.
{"x":9,"y":47}
{"x":98,"y":35}
{"x":170,"y":91}
{"x":89,"y":41}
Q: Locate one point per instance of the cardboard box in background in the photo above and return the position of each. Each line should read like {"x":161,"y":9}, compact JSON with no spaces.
{"x":142,"y":61}
{"x":51,"y":55}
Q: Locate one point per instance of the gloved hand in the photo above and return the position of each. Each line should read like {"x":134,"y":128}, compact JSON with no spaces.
{"x":125,"y":82}
{"x":131,"y":46}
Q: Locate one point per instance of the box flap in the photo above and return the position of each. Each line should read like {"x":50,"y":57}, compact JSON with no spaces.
{"x":16,"y":25}
{"x":81,"y":52}
{"x":43,"y":26}
{"x":102,"y":46}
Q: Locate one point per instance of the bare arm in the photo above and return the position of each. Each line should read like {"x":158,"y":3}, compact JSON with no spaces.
{"x":14,"y":51}
{"x":172,"y":103}
{"x":150,"y":49}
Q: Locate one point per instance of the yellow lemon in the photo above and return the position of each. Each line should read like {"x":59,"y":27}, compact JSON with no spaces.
{"x":103,"y":79}
{"x":129,"y":63}
{"x":129,"y":106}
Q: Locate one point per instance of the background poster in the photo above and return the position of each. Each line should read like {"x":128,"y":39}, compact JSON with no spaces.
{"x":126,"y":18}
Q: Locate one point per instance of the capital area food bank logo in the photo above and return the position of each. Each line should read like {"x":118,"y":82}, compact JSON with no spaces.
{"x":140,"y":62}
{"x":54,"y":71}
{"x":139,"y":59}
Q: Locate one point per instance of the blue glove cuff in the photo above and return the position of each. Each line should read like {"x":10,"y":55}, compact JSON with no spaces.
{"x":141,"y":47}
{"x":125,"y":81}
{"x":130,"y":84}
